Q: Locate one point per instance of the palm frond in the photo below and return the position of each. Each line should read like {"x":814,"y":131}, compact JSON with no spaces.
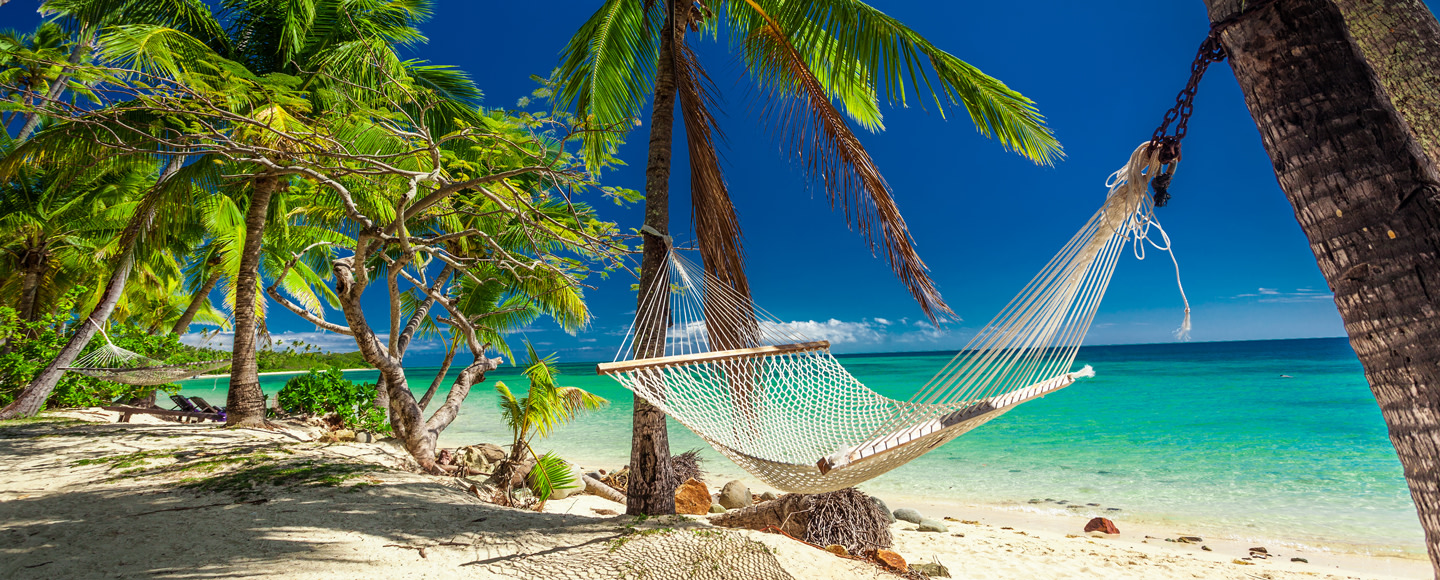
{"x":607,"y":71}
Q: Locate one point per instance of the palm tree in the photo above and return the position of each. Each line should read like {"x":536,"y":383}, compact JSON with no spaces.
{"x":814,"y":63}
{"x":545,"y":407}
{"x":1343,"y":95}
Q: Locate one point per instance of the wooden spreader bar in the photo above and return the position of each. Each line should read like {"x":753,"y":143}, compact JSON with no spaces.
{"x":611,"y":368}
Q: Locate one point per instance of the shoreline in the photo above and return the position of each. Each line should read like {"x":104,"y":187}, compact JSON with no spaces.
{"x":270,"y":374}
{"x":56,"y":476}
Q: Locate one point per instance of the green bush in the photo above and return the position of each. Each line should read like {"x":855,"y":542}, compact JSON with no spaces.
{"x":329,"y":392}
{"x":26,"y":347}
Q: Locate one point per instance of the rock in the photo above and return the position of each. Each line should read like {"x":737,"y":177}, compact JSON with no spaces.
{"x":768,"y":496}
{"x":340,"y":435}
{"x":576,"y":485}
{"x":1190,"y":539}
{"x":716,"y":508}
{"x":837,"y":549}
{"x":596,"y":475}
{"x":1301,"y":560}
{"x":364,"y":437}
{"x":890,"y":560}
{"x":884,"y":508}
{"x":692,"y":498}
{"x":735,"y":495}
{"x":1242,"y":562}
{"x":1102,"y":525}
{"x":1035,"y":501}
{"x":929,"y":525}
{"x":1260,"y":551}
{"x":1093,"y":504}
{"x":1206,"y":548}
{"x":480,"y":458}
{"x":931,"y":570}
{"x":908,"y":515}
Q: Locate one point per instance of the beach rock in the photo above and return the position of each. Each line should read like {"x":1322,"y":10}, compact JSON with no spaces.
{"x":931,"y":570}
{"x":768,"y":496}
{"x":735,"y":495}
{"x":1260,"y":550}
{"x":837,"y":549}
{"x":890,"y":517}
{"x":716,"y":508}
{"x":364,"y":437}
{"x":692,"y":498}
{"x":595,"y":475}
{"x":1301,"y":560}
{"x":929,"y":525}
{"x":1101,"y":525}
{"x":1206,"y":548}
{"x":1190,"y":539}
{"x":480,"y":458}
{"x":338,"y":436}
{"x":890,"y":560}
{"x":908,"y":515}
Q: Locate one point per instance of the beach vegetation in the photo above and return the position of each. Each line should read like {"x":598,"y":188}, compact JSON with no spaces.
{"x":545,"y":407}
{"x":329,"y":394}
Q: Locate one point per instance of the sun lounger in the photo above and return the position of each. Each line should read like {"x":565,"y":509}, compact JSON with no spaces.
{"x":207,"y":407}
{"x":126,"y":411}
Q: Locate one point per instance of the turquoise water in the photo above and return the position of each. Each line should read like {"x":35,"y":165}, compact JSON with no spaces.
{"x":1270,"y":440}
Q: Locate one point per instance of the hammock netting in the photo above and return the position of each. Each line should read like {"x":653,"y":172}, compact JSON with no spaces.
{"x":782,"y":407}
{"x":115,"y":364}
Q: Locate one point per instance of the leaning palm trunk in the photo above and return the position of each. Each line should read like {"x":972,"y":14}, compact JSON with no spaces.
{"x":245,"y":403}
{"x":197,"y":301}
{"x":651,"y":489}
{"x":57,"y":87}
{"x":1356,"y":155}
{"x":33,"y":397}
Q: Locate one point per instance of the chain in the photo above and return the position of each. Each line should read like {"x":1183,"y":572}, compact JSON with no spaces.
{"x":1168,"y":145}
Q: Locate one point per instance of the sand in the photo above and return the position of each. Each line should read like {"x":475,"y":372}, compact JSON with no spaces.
{"x":96,"y":499}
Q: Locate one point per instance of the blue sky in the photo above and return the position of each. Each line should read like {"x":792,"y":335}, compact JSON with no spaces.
{"x":985,"y":221}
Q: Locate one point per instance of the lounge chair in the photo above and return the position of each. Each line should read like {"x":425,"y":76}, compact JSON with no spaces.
{"x":207,"y":407}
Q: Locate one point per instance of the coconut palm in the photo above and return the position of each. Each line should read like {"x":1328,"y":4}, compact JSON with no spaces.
{"x":544,"y":408}
{"x":813,"y":63}
{"x":1343,"y":95}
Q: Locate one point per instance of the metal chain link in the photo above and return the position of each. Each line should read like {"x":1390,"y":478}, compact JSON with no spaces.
{"x":1210,"y":51}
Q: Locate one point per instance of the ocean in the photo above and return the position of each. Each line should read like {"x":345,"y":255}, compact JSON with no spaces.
{"x":1275,"y":441}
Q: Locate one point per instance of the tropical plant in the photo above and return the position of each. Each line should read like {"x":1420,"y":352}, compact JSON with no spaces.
{"x":813,"y":64}
{"x":329,"y":393}
{"x":545,"y":407}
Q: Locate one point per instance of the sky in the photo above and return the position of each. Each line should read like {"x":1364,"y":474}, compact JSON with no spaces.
{"x":984,"y":220}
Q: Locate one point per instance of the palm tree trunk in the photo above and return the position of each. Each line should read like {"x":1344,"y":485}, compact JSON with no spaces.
{"x":201,"y":295}
{"x":33,"y":263}
{"x":81,"y":50}
{"x":245,"y":403}
{"x":652,"y":490}
{"x":1361,"y":174}
{"x":440,"y":376}
{"x":33,"y":397}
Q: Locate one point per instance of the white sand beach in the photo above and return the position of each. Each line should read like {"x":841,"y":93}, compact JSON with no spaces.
{"x":89,"y":498}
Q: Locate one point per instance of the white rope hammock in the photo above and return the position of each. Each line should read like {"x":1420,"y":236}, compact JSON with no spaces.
{"x":117,"y":365}
{"x":779,"y":405}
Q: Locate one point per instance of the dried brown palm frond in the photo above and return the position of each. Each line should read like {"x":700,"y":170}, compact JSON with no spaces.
{"x":812,"y":130}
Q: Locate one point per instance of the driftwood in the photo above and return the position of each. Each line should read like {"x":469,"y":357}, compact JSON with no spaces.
{"x":846,"y":517}
{"x":594,"y":486}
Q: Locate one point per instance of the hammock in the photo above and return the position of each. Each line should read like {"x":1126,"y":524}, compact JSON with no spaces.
{"x":784,"y":409}
{"x":117,"y":365}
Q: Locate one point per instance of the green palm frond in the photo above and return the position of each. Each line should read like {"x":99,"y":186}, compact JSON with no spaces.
{"x":550,"y":473}
{"x":607,"y":72}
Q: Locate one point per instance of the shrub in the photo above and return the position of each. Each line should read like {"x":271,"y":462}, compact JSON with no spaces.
{"x":330,"y":393}
{"x":26,"y":347}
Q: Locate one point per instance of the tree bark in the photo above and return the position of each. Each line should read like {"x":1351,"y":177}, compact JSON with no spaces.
{"x":651,"y":490}
{"x":245,"y":402}
{"x":33,"y":263}
{"x":1361,"y":175}
{"x":201,"y":296}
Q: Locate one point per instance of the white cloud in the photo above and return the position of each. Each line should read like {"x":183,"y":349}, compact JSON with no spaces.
{"x":327,"y":341}
{"x":882,"y":321}
{"x":1275,"y":295}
